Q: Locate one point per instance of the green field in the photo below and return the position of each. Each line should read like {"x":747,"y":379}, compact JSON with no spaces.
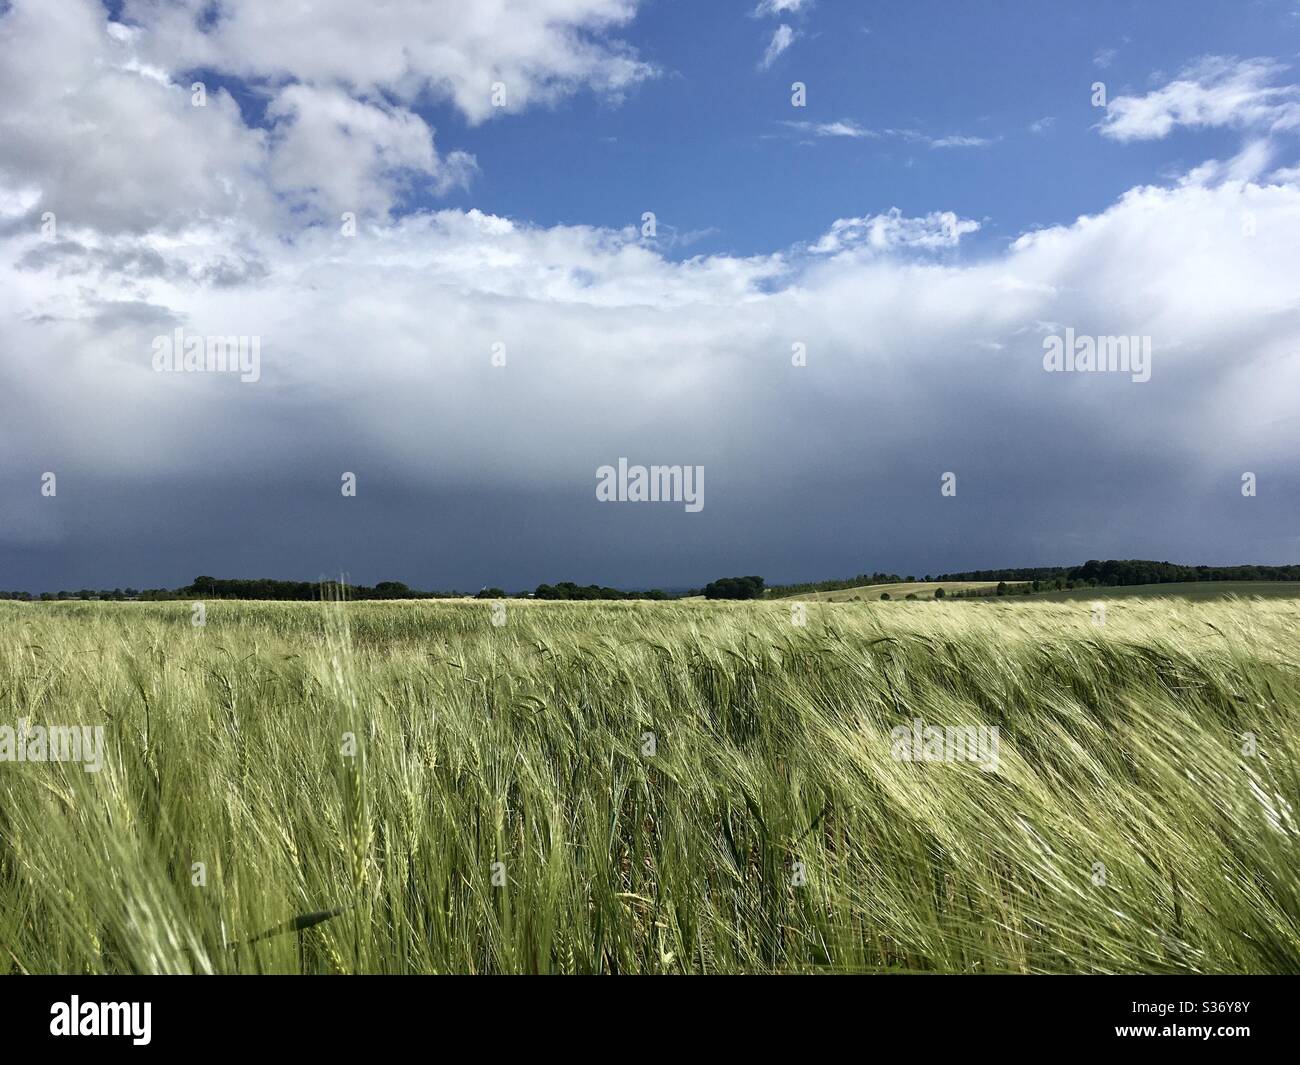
{"x":1188,"y":590}
{"x":666,"y":787}
{"x":872,"y":592}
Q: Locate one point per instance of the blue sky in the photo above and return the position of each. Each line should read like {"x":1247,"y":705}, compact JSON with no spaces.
{"x":949,"y":203}
{"x":704,"y":146}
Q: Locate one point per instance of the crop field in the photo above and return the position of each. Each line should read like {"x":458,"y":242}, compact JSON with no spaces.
{"x":1182,"y":590}
{"x":898,"y":590}
{"x":652,"y":787}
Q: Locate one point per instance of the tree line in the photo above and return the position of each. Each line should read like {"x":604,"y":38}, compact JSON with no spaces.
{"x":1123,"y":572}
{"x":569,"y":590}
{"x":118,"y":594}
{"x":314,"y":591}
{"x":1026,"y":581}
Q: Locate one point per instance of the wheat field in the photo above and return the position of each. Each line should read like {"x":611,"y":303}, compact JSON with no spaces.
{"x":652,"y":788}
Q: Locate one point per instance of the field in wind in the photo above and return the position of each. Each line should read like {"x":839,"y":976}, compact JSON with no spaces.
{"x":621,"y":787}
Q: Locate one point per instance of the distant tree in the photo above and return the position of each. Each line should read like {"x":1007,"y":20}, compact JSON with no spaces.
{"x":939,"y":593}
{"x":1002,"y":587}
{"x":570,"y":590}
{"x":884,"y":595}
{"x":491,"y":593}
{"x":734,"y":588}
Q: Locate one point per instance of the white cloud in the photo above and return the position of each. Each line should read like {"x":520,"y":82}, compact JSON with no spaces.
{"x":781,"y":40}
{"x":1217,"y":91}
{"x":959,"y":142}
{"x":1104,"y":57}
{"x":842,"y":128}
{"x":1249,"y":164}
{"x":334,"y":153}
{"x":892,"y":231}
{"x":98,"y":124}
{"x":782,"y":7}
{"x":952,"y":141}
{"x":848,"y":128}
{"x":540,"y":51}
{"x":103,"y":139}
{"x":1043,"y":124}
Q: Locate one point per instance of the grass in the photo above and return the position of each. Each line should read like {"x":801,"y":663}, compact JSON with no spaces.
{"x":526,"y":745}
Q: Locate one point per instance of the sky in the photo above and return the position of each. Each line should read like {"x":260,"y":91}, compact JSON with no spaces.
{"x":816,"y":252}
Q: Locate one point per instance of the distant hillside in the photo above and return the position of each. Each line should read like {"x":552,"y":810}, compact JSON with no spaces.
{"x":1188,"y":590}
{"x":896,"y":590}
{"x":1032,"y":580}
{"x":1123,"y":572}
{"x":862,"y":580}
{"x":1025,"y":580}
